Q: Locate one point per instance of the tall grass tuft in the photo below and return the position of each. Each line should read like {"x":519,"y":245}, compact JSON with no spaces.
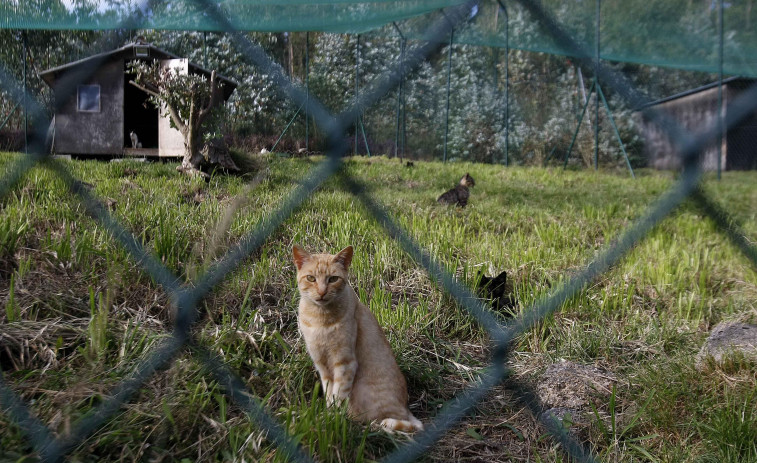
{"x":97,"y":329}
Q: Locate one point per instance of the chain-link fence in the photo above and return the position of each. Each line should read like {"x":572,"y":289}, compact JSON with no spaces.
{"x":187,"y":298}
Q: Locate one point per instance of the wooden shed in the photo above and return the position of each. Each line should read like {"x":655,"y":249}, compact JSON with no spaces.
{"x":693,"y":110}
{"x":99,"y":115}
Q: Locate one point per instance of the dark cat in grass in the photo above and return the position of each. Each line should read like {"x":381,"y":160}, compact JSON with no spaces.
{"x":458,"y":195}
{"x":494,"y":289}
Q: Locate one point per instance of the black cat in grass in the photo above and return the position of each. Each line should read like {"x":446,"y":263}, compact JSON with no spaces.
{"x":459,"y":194}
{"x":495,"y":290}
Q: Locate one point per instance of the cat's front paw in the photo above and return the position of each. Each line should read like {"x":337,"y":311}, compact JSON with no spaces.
{"x":335,"y":399}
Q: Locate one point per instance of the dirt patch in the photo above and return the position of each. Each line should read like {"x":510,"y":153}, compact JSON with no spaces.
{"x":571,"y":391}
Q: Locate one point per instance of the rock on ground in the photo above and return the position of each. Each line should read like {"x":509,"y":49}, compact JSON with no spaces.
{"x":729,"y":338}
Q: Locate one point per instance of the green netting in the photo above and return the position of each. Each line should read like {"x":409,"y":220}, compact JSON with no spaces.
{"x":674,"y":33}
{"x":341,"y":16}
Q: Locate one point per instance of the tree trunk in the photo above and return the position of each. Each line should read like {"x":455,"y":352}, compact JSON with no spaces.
{"x":290,"y":49}
{"x":193,"y":159}
{"x":196,"y":154}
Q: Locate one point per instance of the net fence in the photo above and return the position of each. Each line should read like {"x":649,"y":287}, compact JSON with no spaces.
{"x":188,"y":298}
{"x":681,"y":34}
{"x":500,"y":90}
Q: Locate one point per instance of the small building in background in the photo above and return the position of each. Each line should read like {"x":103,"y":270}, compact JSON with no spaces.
{"x":100,"y":112}
{"x":693,"y":110}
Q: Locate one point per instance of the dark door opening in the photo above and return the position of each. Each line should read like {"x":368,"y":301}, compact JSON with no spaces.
{"x":741,"y":140}
{"x":140,"y":116}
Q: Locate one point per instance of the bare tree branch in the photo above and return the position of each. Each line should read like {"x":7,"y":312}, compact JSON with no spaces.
{"x":155,"y":92}
{"x":147,"y":88}
{"x":213,"y":101}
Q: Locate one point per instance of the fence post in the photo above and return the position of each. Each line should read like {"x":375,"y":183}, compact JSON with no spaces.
{"x":403,"y":134}
{"x":720,"y":88}
{"x":596,"y":84}
{"x":507,"y":83}
{"x":399,"y":91}
{"x":205,"y":49}
{"x":26,"y":112}
{"x":449,"y":74}
{"x":307,"y":91}
{"x":357,"y":90}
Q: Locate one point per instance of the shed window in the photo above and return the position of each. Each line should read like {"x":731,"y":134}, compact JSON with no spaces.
{"x":88,"y":98}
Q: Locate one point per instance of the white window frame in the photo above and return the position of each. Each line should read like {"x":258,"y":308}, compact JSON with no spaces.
{"x":79,"y":100}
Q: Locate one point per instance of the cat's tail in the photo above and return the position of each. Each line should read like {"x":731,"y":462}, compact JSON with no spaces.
{"x":412,"y":424}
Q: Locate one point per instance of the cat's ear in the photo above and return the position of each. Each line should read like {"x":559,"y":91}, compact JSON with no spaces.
{"x":501,"y":279}
{"x":344,"y":257}
{"x":300,"y":255}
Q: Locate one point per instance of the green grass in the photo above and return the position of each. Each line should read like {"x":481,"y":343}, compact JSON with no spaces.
{"x":79,"y":313}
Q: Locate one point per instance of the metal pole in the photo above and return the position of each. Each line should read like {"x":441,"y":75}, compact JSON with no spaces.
{"x":596,"y":103}
{"x":287,"y":127}
{"x":399,"y":101}
{"x":26,"y":113}
{"x":399,"y":92}
{"x":578,"y":127}
{"x":403,"y":140}
{"x":507,"y":84}
{"x":365,"y":139}
{"x":600,"y":93}
{"x":551,"y":153}
{"x":357,"y":89}
{"x":720,"y":88}
{"x":307,"y":92}
{"x":449,"y":75}
{"x":205,"y":49}
{"x":9,"y":115}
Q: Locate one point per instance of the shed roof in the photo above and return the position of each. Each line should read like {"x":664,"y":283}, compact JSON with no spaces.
{"x":135,"y":50}
{"x":696,"y":90}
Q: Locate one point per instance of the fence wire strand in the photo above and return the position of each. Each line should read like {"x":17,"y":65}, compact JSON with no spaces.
{"x":186,"y":298}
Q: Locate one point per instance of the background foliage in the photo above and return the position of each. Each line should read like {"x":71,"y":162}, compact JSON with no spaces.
{"x":545,"y":91}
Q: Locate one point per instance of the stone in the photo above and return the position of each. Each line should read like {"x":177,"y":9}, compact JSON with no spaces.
{"x":728,"y":338}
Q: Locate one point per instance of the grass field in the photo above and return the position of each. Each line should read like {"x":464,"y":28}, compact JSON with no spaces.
{"x":78,"y":313}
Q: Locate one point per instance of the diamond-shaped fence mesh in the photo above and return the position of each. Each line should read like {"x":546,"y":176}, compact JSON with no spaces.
{"x":187,"y":298}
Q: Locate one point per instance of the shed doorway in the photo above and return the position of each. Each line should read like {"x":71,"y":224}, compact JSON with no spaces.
{"x":140,"y":116}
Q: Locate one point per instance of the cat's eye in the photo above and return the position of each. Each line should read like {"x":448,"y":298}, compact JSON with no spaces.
{"x":333,"y":279}
{"x":311,"y":278}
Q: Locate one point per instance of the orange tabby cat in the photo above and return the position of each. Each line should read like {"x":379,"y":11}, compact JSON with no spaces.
{"x":346,"y":343}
